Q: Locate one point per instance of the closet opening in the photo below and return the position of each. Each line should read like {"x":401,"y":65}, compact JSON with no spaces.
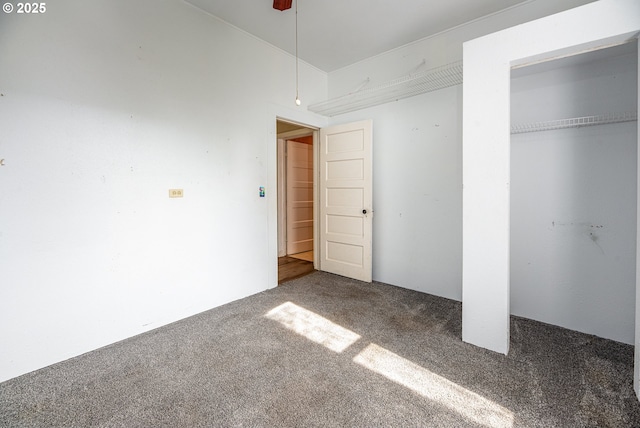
{"x":573,"y":192}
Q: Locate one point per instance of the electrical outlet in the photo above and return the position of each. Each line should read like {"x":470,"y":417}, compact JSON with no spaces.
{"x":175,"y":193}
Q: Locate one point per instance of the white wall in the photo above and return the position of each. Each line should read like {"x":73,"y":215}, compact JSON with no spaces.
{"x":417,"y":183}
{"x":417,"y":157}
{"x":486,"y":147}
{"x":105,"y":106}
{"x":573,"y":199}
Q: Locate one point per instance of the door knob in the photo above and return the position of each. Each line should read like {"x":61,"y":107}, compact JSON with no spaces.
{"x":364,"y":211}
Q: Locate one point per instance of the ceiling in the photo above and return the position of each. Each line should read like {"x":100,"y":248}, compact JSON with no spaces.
{"x":604,"y":54}
{"x":335,"y":33}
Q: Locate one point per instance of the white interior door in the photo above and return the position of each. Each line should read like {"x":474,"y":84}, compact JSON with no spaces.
{"x":299,"y":197}
{"x":346,"y":200}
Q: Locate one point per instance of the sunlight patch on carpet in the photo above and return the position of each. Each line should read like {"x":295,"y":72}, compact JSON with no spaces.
{"x":468,"y":404}
{"x":312,"y":326}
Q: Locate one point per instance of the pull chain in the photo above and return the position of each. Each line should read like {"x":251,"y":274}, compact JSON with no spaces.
{"x":297,"y":72}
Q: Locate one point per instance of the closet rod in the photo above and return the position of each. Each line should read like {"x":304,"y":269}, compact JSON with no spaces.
{"x":575,"y":122}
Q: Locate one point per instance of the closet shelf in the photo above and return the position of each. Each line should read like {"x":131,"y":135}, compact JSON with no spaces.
{"x":575,"y":122}
{"x":394,"y":90}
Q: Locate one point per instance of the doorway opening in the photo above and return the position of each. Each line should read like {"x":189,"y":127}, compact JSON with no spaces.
{"x":296,"y":200}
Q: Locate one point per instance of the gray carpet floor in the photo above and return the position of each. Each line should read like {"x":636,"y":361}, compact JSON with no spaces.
{"x":323,"y":350}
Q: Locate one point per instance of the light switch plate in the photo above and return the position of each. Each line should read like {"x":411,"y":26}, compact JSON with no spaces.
{"x":175,"y":193}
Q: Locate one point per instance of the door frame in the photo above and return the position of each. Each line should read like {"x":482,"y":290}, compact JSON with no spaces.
{"x":281,"y":184}
{"x":272,"y":114}
{"x":315,"y":123}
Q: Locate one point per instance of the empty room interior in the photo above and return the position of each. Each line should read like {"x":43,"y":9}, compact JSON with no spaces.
{"x":304,"y":213}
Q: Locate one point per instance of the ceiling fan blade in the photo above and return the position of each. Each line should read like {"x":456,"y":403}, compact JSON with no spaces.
{"x":282,"y":4}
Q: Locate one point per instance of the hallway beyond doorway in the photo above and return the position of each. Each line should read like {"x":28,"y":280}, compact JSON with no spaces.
{"x":306,"y":256}
{"x":291,"y":268}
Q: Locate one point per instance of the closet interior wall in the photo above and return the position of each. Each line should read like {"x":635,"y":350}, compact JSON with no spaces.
{"x":573,"y":194}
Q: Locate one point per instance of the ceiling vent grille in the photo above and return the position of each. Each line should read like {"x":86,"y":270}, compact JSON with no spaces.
{"x":394,"y":90}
